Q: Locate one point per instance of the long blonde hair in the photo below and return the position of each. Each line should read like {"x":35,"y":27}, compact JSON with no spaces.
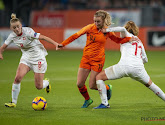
{"x":132,"y":28}
{"x":13,"y":18}
{"x":105,"y":17}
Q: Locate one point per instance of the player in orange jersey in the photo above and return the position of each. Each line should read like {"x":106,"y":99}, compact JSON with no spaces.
{"x":94,"y":53}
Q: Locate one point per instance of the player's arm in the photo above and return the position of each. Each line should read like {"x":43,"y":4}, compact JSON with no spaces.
{"x":75,"y":36}
{"x":116,"y":39}
{"x":42,"y":37}
{"x":2,"y":48}
{"x":144,"y":55}
{"x":122,"y":30}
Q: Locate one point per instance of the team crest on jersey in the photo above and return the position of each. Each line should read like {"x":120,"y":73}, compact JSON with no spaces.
{"x":35,"y":34}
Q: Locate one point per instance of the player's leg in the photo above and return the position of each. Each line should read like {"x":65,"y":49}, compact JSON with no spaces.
{"x":92,"y":80}
{"x":96,"y":68}
{"x":81,"y":79}
{"x":107,"y":74}
{"x":21,"y":72}
{"x":39,"y":72}
{"x":100,"y":78}
{"x":156,"y":89}
{"x":40,"y":83}
{"x":142,"y":76}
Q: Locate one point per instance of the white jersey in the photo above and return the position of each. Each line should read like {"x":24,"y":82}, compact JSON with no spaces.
{"x":132,"y":53}
{"x":31,"y":47}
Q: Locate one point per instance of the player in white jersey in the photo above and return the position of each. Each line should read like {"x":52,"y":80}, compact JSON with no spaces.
{"x":33,"y":56}
{"x":131,"y":64}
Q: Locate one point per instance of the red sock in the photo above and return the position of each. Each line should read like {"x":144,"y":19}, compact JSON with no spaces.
{"x":84,"y":93}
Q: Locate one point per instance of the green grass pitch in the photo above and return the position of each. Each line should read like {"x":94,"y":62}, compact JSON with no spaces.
{"x":131,"y":101}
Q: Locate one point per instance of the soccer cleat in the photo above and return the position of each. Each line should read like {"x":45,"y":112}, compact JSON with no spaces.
{"x":109,"y":92}
{"x":48,"y":88}
{"x":102,"y":106}
{"x":87,"y":103}
{"x":10,"y":104}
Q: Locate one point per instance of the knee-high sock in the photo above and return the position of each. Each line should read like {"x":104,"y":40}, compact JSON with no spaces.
{"x":102,"y":91}
{"x":157,"y":91}
{"x":15,"y":92}
{"x":45,"y":83}
{"x":84,"y":92}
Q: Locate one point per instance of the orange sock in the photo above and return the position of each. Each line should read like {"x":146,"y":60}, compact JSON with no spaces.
{"x":84,"y":92}
{"x":107,"y":87}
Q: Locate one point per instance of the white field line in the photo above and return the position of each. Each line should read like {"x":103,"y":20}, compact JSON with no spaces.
{"x":51,"y":79}
{"x":68,"y":79}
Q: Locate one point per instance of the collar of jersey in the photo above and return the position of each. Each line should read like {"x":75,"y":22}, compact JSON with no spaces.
{"x":20,"y":34}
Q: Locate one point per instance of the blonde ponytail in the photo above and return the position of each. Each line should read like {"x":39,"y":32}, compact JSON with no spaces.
{"x":13,"y":18}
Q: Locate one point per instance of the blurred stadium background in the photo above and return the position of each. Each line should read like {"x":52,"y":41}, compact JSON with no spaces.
{"x":131,"y":101}
{"x":59,"y":19}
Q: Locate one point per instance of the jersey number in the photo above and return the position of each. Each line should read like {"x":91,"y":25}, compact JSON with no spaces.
{"x":136,"y":44}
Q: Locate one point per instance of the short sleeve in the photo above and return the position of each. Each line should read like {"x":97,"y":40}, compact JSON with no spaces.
{"x":9,"y":40}
{"x":33,"y":34}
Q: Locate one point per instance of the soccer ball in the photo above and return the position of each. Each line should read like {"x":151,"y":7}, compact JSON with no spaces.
{"x":39,"y":103}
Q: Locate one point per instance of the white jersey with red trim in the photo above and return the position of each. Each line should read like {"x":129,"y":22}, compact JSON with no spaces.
{"x":132,"y":53}
{"x":32,"y":49}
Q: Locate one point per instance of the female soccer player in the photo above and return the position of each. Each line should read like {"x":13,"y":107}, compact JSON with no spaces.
{"x":33,"y":56}
{"x":131,"y":64}
{"x":93,"y":54}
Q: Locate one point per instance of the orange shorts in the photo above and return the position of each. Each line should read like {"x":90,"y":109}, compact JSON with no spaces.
{"x":95,"y":64}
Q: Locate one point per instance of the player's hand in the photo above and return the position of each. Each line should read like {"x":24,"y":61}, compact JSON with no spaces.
{"x":1,"y":57}
{"x":134,"y":38}
{"x":103,"y":30}
{"x":59,"y":46}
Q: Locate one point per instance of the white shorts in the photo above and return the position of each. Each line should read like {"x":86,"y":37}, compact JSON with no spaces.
{"x":118,"y":71}
{"x":39,"y":66}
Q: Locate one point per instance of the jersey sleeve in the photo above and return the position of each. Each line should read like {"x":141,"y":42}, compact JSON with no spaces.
{"x":76,"y":35}
{"x":122,"y":30}
{"x":116,"y":39}
{"x":9,"y":40}
{"x":144,"y":55}
{"x":33,"y":34}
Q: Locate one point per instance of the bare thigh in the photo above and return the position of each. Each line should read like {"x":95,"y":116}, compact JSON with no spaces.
{"x":22,"y":70}
{"x":82,"y":76}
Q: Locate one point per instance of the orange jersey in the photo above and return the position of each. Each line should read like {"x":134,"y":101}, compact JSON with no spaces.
{"x":95,"y":40}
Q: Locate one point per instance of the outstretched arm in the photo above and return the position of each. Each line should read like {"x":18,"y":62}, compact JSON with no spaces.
{"x":2,"y":48}
{"x":42,"y":37}
{"x":75,"y":36}
{"x":116,"y":39}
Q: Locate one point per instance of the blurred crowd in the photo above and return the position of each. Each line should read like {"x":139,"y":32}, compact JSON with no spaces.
{"x":23,"y":8}
{"x":51,"y":5}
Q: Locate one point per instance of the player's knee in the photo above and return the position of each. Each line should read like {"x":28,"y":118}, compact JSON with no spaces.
{"x":39,"y":86}
{"x":92,"y":86}
{"x":80,"y":84}
{"x":18,"y":79}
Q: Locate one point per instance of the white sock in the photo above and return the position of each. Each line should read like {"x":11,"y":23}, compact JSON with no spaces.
{"x":45,"y":83}
{"x":157,"y":91}
{"x":15,"y":92}
{"x":102,"y":91}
